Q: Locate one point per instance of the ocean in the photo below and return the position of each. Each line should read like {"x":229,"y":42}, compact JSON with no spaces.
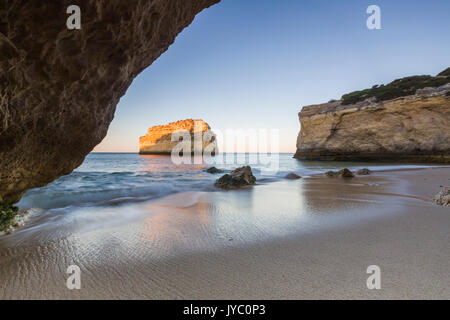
{"x":113,"y":178}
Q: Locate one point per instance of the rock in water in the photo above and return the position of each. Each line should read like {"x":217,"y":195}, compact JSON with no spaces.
{"x":292,"y":176}
{"x":213,"y":170}
{"x":363,"y":172}
{"x":344,"y":173}
{"x":443,"y":197}
{"x":158,"y":139}
{"x":59,"y":88}
{"x":239,"y":177}
{"x":410,"y":128}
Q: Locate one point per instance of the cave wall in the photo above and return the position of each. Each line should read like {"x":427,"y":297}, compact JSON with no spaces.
{"x":59,"y":88}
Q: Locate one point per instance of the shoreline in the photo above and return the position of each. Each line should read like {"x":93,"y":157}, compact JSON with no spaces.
{"x":22,"y":215}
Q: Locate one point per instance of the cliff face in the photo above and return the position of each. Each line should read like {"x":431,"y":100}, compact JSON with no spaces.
{"x":158,"y":139}
{"x":59,"y":88}
{"x":413,"y":128}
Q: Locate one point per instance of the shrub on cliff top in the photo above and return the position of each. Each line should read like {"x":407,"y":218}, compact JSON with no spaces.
{"x":398,"y":88}
{"x":7,"y":215}
{"x":445,"y":73}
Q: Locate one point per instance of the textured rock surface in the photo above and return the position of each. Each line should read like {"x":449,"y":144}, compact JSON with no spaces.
{"x":414,"y":128}
{"x":213,"y":170}
{"x":59,"y":88}
{"x":344,"y":173}
{"x":158,"y":139}
{"x":443,"y":197}
{"x":292,"y":176}
{"x":363,"y":172}
{"x":239,"y":177}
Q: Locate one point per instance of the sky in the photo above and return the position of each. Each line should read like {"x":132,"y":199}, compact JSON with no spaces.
{"x":253,"y":64}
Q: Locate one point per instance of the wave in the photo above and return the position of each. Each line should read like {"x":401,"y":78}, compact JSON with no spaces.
{"x":49,"y":199}
{"x":111,"y":188}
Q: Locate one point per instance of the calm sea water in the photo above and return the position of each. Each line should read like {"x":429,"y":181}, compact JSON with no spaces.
{"x":112,"y":178}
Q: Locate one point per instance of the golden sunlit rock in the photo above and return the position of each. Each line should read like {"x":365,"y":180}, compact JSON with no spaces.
{"x":161,"y":139}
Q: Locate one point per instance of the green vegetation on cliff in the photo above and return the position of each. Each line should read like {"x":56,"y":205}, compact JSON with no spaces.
{"x":7,"y":214}
{"x":445,"y":73}
{"x":398,"y":88}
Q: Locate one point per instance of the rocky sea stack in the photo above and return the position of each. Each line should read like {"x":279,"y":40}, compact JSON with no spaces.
{"x":163,"y":139}
{"x":59,"y":88}
{"x":407,"y":120}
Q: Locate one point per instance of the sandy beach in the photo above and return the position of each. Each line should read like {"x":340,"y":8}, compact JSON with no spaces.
{"x":311,"y":238}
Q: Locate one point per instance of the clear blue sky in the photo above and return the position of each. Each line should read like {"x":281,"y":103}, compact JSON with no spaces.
{"x":255,"y":63}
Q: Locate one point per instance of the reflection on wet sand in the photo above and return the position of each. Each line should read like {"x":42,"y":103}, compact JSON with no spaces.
{"x":280,"y":240}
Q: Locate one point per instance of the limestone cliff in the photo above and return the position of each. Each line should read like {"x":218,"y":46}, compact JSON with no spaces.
{"x":413,"y":128}
{"x":59,"y":88}
{"x":160,"y":139}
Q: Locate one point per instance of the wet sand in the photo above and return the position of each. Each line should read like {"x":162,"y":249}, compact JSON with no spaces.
{"x":304,"y":239}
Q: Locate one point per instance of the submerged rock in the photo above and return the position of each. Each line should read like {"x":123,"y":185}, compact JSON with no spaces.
{"x":331,"y":173}
{"x":292,"y":176}
{"x":344,"y":173}
{"x":443,"y":197}
{"x":237,"y":178}
{"x":363,"y":172}
{"x":59,"y":88}
{"x":213,"y":170}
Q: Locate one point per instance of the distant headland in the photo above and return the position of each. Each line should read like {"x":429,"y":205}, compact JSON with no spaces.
{"x":406,"y":120}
